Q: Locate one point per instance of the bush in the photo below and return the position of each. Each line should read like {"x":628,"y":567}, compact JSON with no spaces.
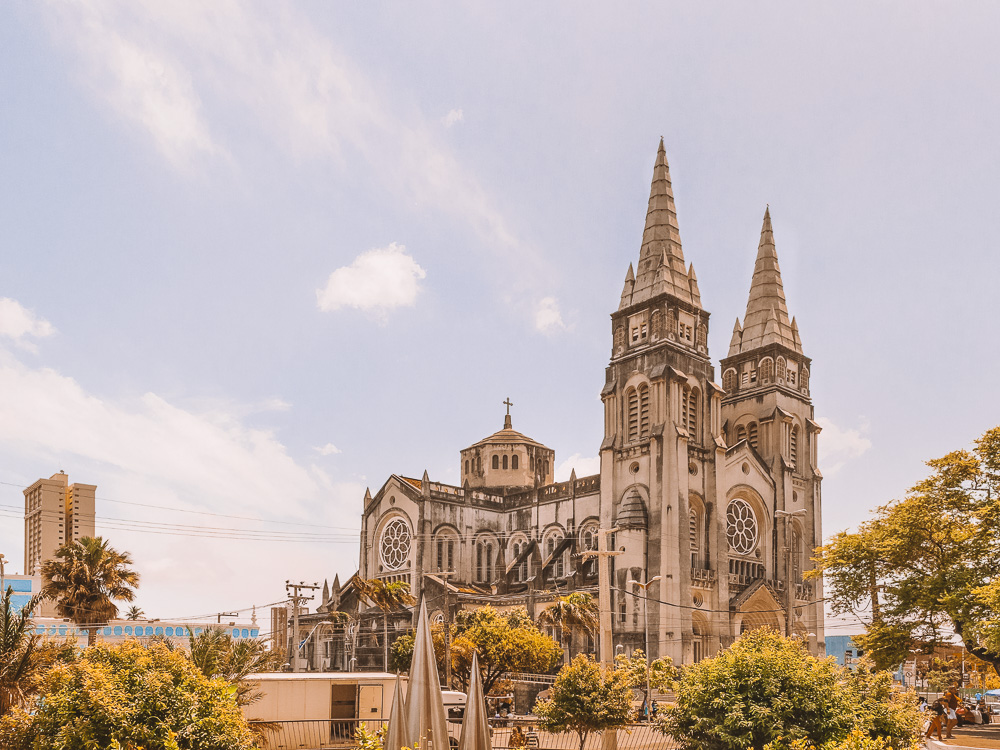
{"x":130,"y":695}
{"x":767,"y":691}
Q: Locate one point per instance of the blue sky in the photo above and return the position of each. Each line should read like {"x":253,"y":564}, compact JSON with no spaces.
{"x":255,"y":257}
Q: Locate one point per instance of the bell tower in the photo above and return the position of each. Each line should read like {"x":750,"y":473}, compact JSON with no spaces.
{"x":661,"y":422}
{"x":767,"y":404}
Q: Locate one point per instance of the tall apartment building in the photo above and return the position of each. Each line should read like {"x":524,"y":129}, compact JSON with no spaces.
{"x":55,"y":512}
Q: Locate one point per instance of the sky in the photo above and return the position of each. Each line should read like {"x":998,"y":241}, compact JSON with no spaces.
{"x":256,"y":257}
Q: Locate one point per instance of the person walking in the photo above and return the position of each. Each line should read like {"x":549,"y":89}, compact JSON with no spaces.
{"x":952,"y":703}
{"x":937,"y":710}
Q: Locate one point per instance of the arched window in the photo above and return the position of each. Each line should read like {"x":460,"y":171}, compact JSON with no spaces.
{"x":632,"y":414}
{"x":804,"y":380}
{"x":643,"y":411}
{"x":447,"y":541}
{"x":554,"y":540}
{"x":505,"y":462}
{"x":793,"y":445}
{"x":689,"y":410}
{"x":521,"y":570}
{"x":752,"y":434}
{"x":513,"y":462}
{"x":479,"y":464}
{"x":729,"y":381}
{"x":588,"y":543}
{"x":394,"y":546}
{"x":496,"y":462}
{"x":741,"y":527}
{"x":466,"y":466}
{"x":484,"y":561}
{"x":781,"y":369}
{"x":767,"y":370}
{"x":741,"y":433}
{"x":694,"y":537}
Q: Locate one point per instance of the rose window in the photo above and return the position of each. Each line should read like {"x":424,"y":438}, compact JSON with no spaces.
{"x":741,"y":527}
{"x":395,"y":544}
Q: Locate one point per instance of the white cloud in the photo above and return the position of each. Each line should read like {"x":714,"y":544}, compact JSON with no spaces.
{"x":377,"y":281}
{"x":548,"y":319}
{"x":453,"y":116}
{"x":838,"y":446}
{"x":328,"y":450}
{"x":148,"y":450}
{"x":585,"y":467}
{"x":20,"y":324}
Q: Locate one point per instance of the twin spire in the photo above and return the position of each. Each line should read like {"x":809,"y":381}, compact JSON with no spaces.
{"x":662,"y":270}
{"x":766,"y":320}
{"x":661,"y":259}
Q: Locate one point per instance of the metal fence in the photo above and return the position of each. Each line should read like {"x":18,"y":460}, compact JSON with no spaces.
{"x":320,"y":734}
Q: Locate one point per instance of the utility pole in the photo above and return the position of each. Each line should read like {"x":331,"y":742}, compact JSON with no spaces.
{"x":609,"y":740}
{"x":447,"y":621}
{"x":220,"y":615}
{"x":297,"y":599}
{"x":784,"y":515}
{"x":603,"y":554}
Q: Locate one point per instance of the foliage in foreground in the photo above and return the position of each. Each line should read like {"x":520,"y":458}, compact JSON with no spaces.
{"x":216,"y":653}
{"x":767,"y":691}
{"x":505,"y":641}
{"x":662,"y":672}
{"x":129,"y":696}
{"x":585,"y":698}
{"x":927,"y":565}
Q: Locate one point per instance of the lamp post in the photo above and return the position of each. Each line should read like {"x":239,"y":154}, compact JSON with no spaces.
{"x":784,"y":515}
{"x":3,"y":560}
{"x":645,"y":617}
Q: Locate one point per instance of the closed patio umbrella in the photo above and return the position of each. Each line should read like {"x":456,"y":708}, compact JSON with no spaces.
{"x":395,"y":730}
{"x":426,"y":723}
{"x":475,"y":727}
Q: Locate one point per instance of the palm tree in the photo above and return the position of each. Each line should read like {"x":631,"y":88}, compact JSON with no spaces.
{"x":576,"y":610}
{"x":217,"y":654}
{"x":134,"y":613}
{"x":21,"y":663}
{"x":85,"y":578}
{"x":385,"y":596}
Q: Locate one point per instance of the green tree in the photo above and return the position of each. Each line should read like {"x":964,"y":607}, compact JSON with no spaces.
{"x":134,"y":613}
{"x":387,"y":597}
{"x":505,"y":641}
{"x":662,"y":673}
{"x":576,"y":611}
{"x":585,"y":698}
{"x":130,"y":695}
{"x":769,"y":690}
{"x":927,"y":565}
{"x":21,"y":661}
{"x":86,"y":578}
{"x":216,"y":654}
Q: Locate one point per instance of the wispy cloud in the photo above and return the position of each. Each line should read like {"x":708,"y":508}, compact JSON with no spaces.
{"x":196,"y":78}
{"x":454,"y":116}
{"x":377,"y":281}
{"x":22,"y":325}
{"x":328,"y":450}
{"x":839,"y":445}
{"x":548,"y":318}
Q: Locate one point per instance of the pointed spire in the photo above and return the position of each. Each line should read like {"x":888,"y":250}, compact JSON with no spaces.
{"x":661,"y":240}
{"x":326,"y":591}
{"x":368,"y":496}
{"x":627,"y":289}
{"x":336,"y":583}
{"x":737,"y":339}
{"x":795,"y":335}
{"x":693,"y":286}
{"x":572,"y":476}
{"x":766,"y":320}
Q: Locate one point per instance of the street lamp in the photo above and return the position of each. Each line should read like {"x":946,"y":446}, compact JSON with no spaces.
{"x":784,"y":515}
{"x":645,"y":617}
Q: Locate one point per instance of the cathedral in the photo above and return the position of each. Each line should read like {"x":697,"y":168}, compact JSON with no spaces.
{"x":709,"y":493}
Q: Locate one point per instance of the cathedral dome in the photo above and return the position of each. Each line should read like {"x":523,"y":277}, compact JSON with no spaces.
{"x":507,"y":459}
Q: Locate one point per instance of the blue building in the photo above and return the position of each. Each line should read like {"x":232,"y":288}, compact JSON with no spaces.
{"x":843,"y":648}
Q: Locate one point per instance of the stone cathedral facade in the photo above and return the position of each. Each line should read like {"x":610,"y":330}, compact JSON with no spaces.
{"x":714,"y":488}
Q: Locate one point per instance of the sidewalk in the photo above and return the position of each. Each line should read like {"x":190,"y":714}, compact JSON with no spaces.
{"x":980,"y":738}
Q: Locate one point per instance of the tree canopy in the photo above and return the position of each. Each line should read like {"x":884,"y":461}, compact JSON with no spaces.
{"x":85,"y":578}
{"x":585,"y":698}
{"x":927,"y":565}
{"x":505,"y":641}
{"x":768,"y":690}
{"x":21,"y":659}
{"x":129,"y":695}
